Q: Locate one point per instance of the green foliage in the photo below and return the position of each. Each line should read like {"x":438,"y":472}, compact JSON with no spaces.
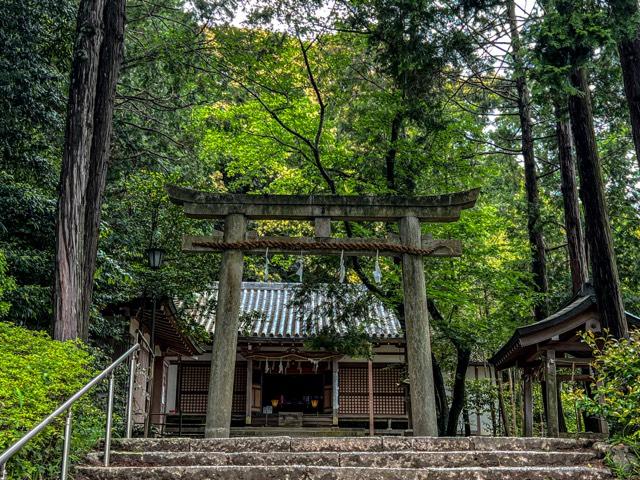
{"x":617,"y":384}
{"x":7,"y":284}
{"x":360,"y":97}
{"x":349,"y":305}
{"x":35,"y":53}
{"x":352,"y":341}
{"x":482,"y":395}
{"x":36,"y":375}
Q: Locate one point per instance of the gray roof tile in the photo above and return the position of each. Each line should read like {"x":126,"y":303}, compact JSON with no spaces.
{"x":268,"y":311}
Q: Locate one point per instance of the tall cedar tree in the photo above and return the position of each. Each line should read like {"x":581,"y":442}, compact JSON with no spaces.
{"x":570,"y":199}
{"x":598,"y":229}
{"x":625,"y":14}
{"x":97,"y":57}
{"x":534,"y":223}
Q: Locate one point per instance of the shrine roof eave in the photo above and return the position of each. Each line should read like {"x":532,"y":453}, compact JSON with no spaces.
{"x":167,"y":332}
{"x":437,"y":208}
{"x":515,"y":348}
{"x":376,"y":340}
{"x":572,"y":317}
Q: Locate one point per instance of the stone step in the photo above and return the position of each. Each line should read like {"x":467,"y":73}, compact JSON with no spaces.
{"x":296,"y":472}
{"x":297,"y":432}
{"x":349,"y":444}
{"x":404,"y":459}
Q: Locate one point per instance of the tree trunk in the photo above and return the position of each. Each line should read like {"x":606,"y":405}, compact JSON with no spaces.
{"x":598,"y":230}
{"x":569,"y":187}
{"x":534,"y":224}
{"x":629,"y":51}
{"x":466,"y":422}
{"x":97,"y":58}
{"x":441,"y":396}
{"x":458,"y":394}
{"x":111,"y":53}
{"x":503,"y":409}
{"x":75,"y":170}
{"x":624,"y":12}
{"x":390,"y":157}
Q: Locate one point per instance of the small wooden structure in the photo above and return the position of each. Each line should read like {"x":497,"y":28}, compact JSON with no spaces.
{"x":236,"y":210}
{"x":552,"y":344}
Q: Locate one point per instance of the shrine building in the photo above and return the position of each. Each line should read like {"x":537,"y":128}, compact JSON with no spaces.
{"x":278,"y":382}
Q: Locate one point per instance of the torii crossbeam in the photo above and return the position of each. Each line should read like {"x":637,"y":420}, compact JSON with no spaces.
{"x":322,"y":209}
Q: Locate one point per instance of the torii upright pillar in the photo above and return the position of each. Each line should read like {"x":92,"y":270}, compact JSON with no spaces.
{"x":225,"y":336}
{"x":416,"y":318}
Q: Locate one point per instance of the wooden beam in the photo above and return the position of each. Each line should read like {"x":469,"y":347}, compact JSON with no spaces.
{"x":575,"y":378}
{"x":568,"y":347}
{"x":570,"y":362}
{"x":441,"y":248}
{"x":438,"y":208}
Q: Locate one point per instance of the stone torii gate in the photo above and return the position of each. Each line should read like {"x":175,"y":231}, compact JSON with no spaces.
{"x":322,"y":209}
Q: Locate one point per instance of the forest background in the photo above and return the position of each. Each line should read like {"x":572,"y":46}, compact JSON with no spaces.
{"x":365,"y":97}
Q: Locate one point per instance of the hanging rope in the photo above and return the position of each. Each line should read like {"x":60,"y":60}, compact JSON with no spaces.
{"x":319,"y":245}
{"x":300,"y":269}
{"x":266,"y":266}
{"x":343,"y":270}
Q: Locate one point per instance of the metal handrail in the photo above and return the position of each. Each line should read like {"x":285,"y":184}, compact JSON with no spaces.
{"x":66,"y":407}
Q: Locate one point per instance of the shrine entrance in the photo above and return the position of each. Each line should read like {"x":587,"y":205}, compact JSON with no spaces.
{"x":235,"y":241}
{"x":294,"y":392}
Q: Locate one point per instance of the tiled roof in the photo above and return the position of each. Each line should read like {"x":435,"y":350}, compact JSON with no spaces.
{"x":267,"y":310}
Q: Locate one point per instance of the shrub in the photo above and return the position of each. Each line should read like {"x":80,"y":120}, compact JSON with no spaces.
{"x":7,"y":284}
{"x":617,"y":394}
{"x":36,"y":375}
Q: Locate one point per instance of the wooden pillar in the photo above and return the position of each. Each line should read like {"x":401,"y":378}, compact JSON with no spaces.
{"x":416,"y":316}
{"x":372,"y":428}
{"x":478,"y":417}
{"x":551,"y":393}
{"x":527,"y":400}
{"x":249,"y":396}
{"x":223,"y":355}
{"x":603,"y":426}
{"x":335,"y":396}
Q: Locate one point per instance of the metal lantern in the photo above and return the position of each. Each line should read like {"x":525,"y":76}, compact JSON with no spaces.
{"x":155,"y":256}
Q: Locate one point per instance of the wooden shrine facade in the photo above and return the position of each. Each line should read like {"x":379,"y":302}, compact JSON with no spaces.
{"x":273,"y":364}
{"x":236,"y":240}
{"x":347,"y":398}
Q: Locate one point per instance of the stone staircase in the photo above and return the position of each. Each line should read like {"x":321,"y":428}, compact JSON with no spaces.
{"x":382,"y":458}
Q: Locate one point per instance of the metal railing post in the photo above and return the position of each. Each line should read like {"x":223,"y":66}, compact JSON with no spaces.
{"x":67,"y":446}
{"x":132,"y":382}
{"x":107,"y":435}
